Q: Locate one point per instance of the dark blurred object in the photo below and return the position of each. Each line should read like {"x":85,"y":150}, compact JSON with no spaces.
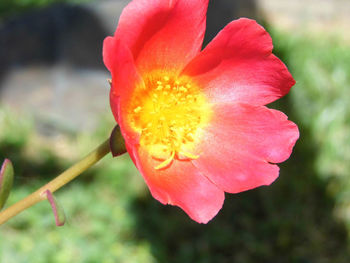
{"x":222,"y":12}
{"x":53,"y":55}
{"x":15,"y":7}
{"x":59,"y":32}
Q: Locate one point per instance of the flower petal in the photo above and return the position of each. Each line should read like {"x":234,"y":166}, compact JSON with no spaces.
{"x":163,"y":34}
{"x":238,"y":66}
{"x":119,"y":60}
{"x":241,"y":143}
{"x":181,"y":184}
{"x":108,"y":53}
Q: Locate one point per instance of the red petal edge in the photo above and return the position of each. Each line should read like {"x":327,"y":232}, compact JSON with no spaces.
{"x":241,"y":143}
{"x":125,"y":77}
{"x":163,"y":34}
{"x":181,"y":184}
{"x":238,"y":66}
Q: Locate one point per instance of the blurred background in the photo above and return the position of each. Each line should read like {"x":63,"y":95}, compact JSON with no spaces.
{"x":54,"y":108}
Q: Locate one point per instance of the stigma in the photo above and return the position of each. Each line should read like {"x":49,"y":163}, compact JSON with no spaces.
{"x":169,"y":113}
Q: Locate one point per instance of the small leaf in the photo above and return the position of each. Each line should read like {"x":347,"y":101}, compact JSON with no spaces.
{"x":6,"y":181}
{"x":116,"y":142}
{"x":57,"y":209}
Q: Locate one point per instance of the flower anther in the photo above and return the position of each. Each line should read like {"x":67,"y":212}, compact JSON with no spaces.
{"x":169,"y":112}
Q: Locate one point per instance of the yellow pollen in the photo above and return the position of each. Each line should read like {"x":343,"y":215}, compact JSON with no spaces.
{"x":137,"y":109}
{"x":169,"y":117}
{"x":183,"y":89}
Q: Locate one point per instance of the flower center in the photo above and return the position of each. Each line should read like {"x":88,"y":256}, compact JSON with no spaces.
{"x":169,"y":112}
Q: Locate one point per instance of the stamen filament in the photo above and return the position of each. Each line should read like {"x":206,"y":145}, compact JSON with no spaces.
{"x":166,"y":162}
{"x":189,"y":155}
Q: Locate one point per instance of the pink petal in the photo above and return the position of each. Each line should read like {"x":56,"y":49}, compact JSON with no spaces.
{"x":181,"y":184}
{"x":163,"y":34}
{"x":108,"y":52}
{"x":238,"y":66}
{"x":241,"y":143}
{"x":120,"y":62}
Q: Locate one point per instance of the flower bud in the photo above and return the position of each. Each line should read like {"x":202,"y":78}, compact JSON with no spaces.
{"x":116,"y":142}
{"x":6,"y":181}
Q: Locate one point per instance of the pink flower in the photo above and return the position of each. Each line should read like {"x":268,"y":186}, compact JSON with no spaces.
{"x":194,"y":122}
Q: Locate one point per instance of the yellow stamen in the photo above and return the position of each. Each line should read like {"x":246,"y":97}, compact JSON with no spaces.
{"x":189,"y":155}
{"x":166,"y":162}
{"x":170,"y":113}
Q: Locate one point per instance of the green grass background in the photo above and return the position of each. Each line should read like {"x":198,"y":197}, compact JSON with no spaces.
{"x":303,"y":217}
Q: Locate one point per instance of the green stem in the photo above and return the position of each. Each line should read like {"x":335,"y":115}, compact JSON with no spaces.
{"x":56,"y":183}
